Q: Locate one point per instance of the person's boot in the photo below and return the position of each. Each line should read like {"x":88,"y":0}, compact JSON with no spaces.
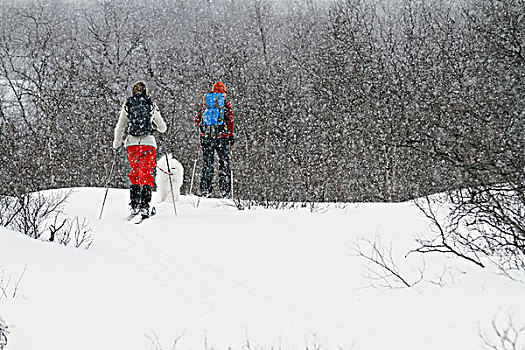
{"x":135,"y":199}
{"x":145,"y":199}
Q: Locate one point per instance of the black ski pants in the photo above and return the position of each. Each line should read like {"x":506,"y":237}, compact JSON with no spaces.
{"x":209,"y":147}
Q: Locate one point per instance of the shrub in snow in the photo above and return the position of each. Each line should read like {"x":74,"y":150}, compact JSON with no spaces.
{"x":3,"y":333}
{"x":478,"y":223}
{"x":35,"y":214}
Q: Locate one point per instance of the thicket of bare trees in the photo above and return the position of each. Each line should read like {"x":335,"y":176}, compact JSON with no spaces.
{"x":353,"y":100}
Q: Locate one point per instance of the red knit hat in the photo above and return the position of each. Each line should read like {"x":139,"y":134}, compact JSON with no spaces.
{"x":218,"y":87}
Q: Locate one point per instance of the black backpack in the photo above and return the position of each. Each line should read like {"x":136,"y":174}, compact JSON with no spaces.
{"x":139,"y":108}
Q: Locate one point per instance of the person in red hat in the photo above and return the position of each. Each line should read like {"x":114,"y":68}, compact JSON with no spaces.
{"x":215,"y":121}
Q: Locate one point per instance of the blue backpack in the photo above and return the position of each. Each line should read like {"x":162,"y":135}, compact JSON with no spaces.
{"x":213,"y":114}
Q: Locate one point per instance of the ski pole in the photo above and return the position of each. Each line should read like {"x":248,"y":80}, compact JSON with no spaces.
{"x":171,"y":184}
{"x":195,"y":164}
{"x":107,"y":184}
{"x":231,"y":170}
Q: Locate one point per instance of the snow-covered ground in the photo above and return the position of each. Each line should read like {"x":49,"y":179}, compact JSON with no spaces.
{"x":215,"y":277}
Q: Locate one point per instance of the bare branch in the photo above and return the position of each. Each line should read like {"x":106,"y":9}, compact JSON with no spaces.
{"x":505,"y":336}
{"x":386,"y":272}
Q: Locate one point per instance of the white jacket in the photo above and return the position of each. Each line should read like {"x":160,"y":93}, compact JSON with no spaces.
{"x":148,"y":140}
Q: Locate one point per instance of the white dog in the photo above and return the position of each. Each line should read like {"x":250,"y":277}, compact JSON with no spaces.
{"x":163,"y":179}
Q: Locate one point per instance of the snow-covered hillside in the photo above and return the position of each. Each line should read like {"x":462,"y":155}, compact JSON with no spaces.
{"x":214,"y":277}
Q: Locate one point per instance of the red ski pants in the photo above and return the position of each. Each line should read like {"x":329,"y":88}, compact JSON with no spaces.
{"x":141,"y":160}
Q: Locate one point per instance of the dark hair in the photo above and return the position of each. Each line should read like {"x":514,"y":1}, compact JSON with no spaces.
{"x":139,"y":88}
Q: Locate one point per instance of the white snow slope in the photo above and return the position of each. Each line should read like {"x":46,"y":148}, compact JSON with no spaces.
{"x":214,"y":277}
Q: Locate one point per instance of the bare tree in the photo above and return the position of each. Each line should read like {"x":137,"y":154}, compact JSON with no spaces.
{"x":35,"y":210}
{"x":8,"y":286}
{"x":383,"y":270}
{"x":75,"y":230}
{"x":477,"y":224}
{"x":506,"y":336}
{"x":3,"y":334}
{"x":483,"y":145}
{"x":349,"y":101}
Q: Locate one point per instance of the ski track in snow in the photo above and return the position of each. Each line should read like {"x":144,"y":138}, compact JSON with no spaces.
{"x":214,"y":277}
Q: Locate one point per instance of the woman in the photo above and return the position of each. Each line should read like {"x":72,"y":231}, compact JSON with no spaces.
{"x":139,"y":116}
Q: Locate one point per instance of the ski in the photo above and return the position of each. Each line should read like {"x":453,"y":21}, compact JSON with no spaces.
{"x":130,"y":217}
{"x":142,"y":218}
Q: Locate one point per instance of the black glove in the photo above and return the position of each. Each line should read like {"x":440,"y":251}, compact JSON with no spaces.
{"x":231,"y":140}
